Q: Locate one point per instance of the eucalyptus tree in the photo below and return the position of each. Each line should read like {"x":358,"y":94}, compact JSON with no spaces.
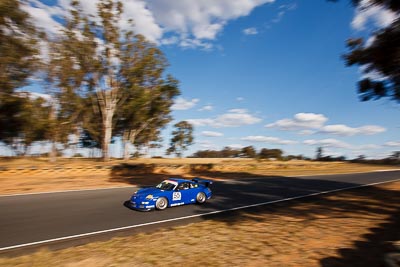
{"x":274,"y":153}
{"x":94,"y":57}
{"x":150,"y":95}
{"x":36,"y":113}
{"x":319,"y":153}
{"x":378,"y":57}
{"x":17,"y":46}
{"x":18,"y":52}
{"x":249,"y":152}
{"x":182,"y":138}
{"x":25,"y":119}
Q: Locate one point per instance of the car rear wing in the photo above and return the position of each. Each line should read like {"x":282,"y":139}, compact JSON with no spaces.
{"x":205,"y":182}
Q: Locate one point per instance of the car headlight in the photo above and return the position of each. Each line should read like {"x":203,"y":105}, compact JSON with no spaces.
{"x":149,"y":197}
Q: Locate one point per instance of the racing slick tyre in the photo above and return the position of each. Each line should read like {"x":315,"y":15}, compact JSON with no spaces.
{"x":201,"y":198}
{"x":161,"y":203}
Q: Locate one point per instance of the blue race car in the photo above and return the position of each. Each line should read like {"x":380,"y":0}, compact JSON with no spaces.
{"x":170,"y":193}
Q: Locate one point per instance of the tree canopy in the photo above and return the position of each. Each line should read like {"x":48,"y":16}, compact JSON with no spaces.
{"x":17,"y":46}
{"x":17,"y":62}
{"x":378,"y":58}
{"x":182,"y":138}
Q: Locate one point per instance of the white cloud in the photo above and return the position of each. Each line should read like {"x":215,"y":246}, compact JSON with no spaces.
{"x":268,"y":139}
{"x":200,"y":20}
{"x":184,"y":104}
{"x":366,"y":12}
{"x":232,"y":118}
{"x":338,"y":129}
{"x":310,"y":123}
{"x":239,"y":98}
{"x":206,"y":144}
{"x":343,"y":130}
{"x":42,"y":16}
{"x":328,"y":143}
{"x":206,"y":108}
{"x":201,"y":122}
{"x":235,"y":119}
{"x":169,"y":40}
{"x":370,"y":129}
{"x":279,"y":17}
{"x":368,"y":147}
{"x":187,"y":23}
{"x":283,"y":9}
{"x":144,"y":20}
{"x":211,"y":134}
{"x":300,"y":121}
{"x":236,"y":146}
{"x":393,"y":144}
{"x":238,"y":110}
{"x":250,"y":31}
{"x":195,"y":43}
{"x":307,"y":132}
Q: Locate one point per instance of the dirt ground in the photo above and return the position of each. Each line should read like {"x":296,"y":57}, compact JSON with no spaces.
{"x":38,"y":175}
{"x":348,"y":228}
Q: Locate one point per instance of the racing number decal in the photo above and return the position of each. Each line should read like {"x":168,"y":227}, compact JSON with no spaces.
{"x":176,"y":196}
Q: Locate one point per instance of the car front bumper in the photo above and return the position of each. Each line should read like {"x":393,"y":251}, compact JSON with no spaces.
{"x":140,"y":205}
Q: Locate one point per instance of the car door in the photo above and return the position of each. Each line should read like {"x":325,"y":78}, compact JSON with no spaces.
{"x":189,"y":193}
{"x":183,"y":194}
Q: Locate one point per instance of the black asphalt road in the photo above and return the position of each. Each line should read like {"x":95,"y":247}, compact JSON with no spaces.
{"x":32,"y":218}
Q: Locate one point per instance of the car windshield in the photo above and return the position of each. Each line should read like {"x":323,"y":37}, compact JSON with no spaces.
{"x":166,"y":185}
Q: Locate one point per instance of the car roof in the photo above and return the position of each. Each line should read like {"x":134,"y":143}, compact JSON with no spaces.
{"x":179,"y":180}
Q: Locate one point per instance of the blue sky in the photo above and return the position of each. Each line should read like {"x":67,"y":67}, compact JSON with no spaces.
{"x":264,"y":73}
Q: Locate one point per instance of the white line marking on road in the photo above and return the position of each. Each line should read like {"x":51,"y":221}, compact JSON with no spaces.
{"x":190,"y":216}
{"x":387,"y":170}
{"x":328,"y":174}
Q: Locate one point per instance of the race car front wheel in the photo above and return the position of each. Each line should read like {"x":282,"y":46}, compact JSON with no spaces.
{"x":161,"y":203}
{"x":201,"y":198}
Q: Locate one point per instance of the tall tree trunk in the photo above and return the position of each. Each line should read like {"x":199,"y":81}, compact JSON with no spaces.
{"x":53,"y":152}
{"x":125,"y":142}
{"x":107,"y":133}
{"x":128,"y":138}
{"x":54,"y":135}
{"x":107,"y":101}
{"x":127,"y":153}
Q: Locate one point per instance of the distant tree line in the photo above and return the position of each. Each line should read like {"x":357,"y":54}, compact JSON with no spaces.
{"x":278,"y":154}
{"x":393,"y":159}
{"x":100,"y":81}
{"x":247,"y":152}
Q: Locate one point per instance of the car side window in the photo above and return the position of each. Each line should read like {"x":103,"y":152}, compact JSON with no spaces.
{"x":183,"y":186}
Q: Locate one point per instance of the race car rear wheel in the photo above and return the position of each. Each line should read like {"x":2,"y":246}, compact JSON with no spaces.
{"x":161,"y":203}
{"x":201,"y":198}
